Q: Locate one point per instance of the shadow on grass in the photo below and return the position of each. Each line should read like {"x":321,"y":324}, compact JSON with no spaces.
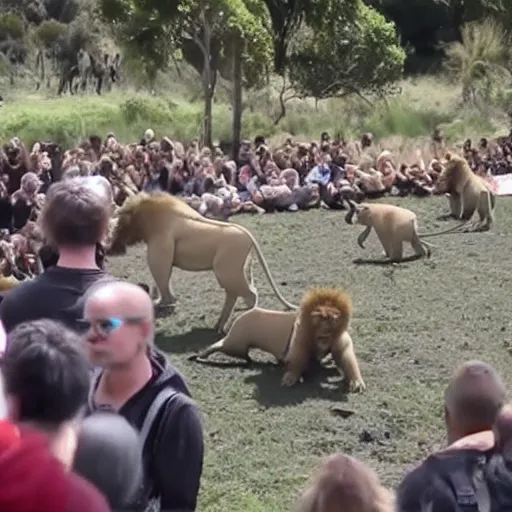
{"x":270,"y":393}
{"x":191,"y":341}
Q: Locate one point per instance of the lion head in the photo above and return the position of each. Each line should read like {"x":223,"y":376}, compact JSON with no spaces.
{"x":126,"y":228}
{"x":456,"y":169}
{"x":143,"y":217}
{"x":324,"y":314}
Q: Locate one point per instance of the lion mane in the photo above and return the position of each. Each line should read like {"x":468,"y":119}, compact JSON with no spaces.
{"x":142,"y":215}
{"x":324,"y":304}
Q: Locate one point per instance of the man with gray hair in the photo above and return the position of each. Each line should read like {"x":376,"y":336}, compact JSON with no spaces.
{"x":136,"y":381}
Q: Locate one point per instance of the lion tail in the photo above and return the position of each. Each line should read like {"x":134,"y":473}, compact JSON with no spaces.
{"x":266,"y":269}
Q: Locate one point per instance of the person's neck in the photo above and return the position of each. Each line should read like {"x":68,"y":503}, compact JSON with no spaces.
{"x":79,"y":258}
{"x":119,"y":384}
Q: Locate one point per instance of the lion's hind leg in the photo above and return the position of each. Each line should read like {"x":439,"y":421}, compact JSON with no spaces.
{"x":231,"y":277}
{"x":250,"y":300}
{"x":233,"y":344}
{"x":421,"y":248}
{"x":485,"y":212}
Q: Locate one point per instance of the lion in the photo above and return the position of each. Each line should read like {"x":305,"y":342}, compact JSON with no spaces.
{"x":177,"y":236}
{"x":394,"y":225}
{"x":467,"y":192}
{"x":296,"y":339}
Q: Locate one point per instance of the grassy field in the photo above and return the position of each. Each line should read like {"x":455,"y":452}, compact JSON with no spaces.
{"x":177,"y":112}
{"x":413,"y":324}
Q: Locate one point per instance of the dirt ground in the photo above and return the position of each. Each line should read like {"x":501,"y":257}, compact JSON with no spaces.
{"x":412,"y":325}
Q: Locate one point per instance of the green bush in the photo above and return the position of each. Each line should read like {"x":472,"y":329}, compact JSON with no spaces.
{"x":11,"y":27}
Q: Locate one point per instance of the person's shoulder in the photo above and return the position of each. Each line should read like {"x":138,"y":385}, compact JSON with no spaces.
{"x":27,"y":289}
{"x":84,"y":497}
{"x":411,"y":488}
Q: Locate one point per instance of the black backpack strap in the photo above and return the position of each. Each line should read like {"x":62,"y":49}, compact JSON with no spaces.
{"x":163,"y":396}
{"x":470,"y":487}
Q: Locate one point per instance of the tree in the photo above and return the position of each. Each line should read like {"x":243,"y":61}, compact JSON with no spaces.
{"x":348,"y":55}
{"x":249,"y":47}
{"x":207,"y":31}
{"x":480,"y":60}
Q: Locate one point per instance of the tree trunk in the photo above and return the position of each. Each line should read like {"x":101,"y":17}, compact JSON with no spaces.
{"x":237,"y":96}
{"x":207,"y":83}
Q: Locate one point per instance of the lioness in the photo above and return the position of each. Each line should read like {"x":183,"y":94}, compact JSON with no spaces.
{"x":177,"y":236}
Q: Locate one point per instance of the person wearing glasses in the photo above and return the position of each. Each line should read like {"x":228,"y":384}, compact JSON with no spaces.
{"x":133,"y":375}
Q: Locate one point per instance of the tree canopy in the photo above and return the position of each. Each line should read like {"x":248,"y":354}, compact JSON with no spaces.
{"x":352,"y":54}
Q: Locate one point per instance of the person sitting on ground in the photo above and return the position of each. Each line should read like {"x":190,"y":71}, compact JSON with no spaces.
{"x":46,"y":381}
{"x":473,"y":400}
{"x":74,"y":220}
{"x":134,"y":377}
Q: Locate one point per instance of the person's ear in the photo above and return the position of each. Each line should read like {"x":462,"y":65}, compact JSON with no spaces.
{"x":147,"y":328}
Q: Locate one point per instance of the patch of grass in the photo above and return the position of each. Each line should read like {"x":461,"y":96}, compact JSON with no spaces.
{"x":177,"y":112}
{"x":413,"y":324}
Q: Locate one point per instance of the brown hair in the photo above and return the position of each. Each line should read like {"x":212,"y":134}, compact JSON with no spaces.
{"x":74,"y":213}
{"x":344,"y":483}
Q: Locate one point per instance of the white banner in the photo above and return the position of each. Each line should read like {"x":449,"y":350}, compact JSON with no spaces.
{"x":502,"y":184}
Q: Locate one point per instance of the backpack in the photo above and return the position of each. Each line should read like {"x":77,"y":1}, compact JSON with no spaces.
{"x":468,"y":481}
{"x":143,"y":501}
{"x":162,"y":398}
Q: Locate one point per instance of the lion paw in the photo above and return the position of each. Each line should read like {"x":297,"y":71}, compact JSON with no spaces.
{"x":356,"y":386}
{"x":288,"y":380}
{"x":162,"y":310}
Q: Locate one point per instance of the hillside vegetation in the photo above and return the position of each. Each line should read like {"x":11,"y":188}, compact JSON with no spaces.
{"x":270,"y":72}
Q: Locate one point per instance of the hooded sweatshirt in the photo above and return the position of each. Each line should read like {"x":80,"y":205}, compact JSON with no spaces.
{"x":173,"y":453}
{"x":34,"y":480}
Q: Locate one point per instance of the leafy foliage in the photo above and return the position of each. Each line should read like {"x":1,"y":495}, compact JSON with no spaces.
{"x":349,"y":55}
{"x":11,"y":27}
{"x":480,"y":60}
{"x":49,"y":32}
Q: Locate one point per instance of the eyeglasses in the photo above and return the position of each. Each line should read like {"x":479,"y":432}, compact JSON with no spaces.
{"x":105,"y":326}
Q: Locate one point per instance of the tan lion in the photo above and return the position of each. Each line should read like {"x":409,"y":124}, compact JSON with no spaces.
{"x":177,"y":236}
{"x":393,"y":225}
{"x":468,"y":193}
{"x":296,"y":339}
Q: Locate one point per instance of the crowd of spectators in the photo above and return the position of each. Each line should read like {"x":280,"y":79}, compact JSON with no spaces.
{"x":81,"y":376}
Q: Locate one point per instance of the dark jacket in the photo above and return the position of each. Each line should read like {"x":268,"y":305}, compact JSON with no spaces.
{"x":174,"y":450}
{"x":56,"y":294}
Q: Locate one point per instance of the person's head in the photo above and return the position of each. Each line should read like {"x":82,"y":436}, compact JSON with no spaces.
{"x":345,"y":483}
{"x":46,"y":380}
{"x":75,"y":215}
{"x":119,"y":319}
{"x":110,"y":438}
{"x":473,"y":400}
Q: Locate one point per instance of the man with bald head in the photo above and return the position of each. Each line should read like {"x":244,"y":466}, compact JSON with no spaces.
{"x":473,"y":400}
{"x":119,"y":333}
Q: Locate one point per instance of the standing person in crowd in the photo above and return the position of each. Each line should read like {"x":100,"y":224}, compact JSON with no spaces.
{"x":138,"y":382}
{"x":46,"y":381}
{"x":473,"y":400}
{"x":74,"y":220}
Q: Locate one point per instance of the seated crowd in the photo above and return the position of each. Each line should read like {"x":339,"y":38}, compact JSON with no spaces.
{"x":290,"y":177}
{"x":81,"y":376}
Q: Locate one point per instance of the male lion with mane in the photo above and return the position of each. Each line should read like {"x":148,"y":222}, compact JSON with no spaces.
{"x":296,"y":339}
{"x":177,"y":236}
